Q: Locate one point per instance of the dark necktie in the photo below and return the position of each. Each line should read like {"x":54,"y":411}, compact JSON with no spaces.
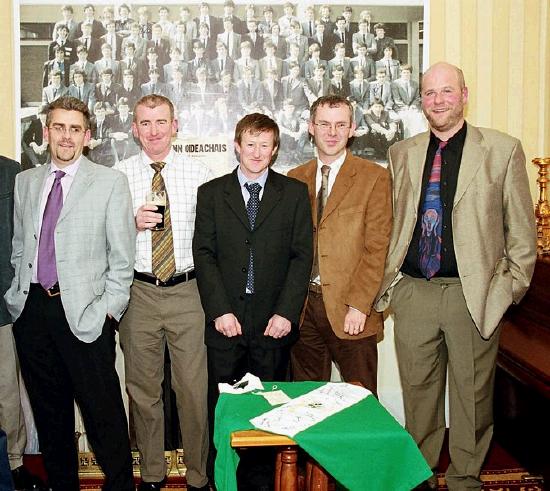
{"x":47,"y":270}
{"x":164,"y":262}
{"x":322,"y":198}
{"x":310,"y":29}
{"x":79,"y":93}
{"x":364,"y":39}
{"x":432,"y":218}
{"x":252,"y":208}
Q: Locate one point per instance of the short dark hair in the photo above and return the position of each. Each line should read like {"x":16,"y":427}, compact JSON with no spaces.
{"x":69,"y":104}
{"x":257,"y":123}
{"x":154,"y":100}
{"x":330,"y":101}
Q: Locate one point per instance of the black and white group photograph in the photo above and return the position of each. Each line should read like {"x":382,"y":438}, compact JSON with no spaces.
{"x":217,"y":62}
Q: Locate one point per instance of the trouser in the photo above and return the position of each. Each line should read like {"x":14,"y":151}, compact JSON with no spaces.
{"x":158,"y":317}
{"x":6,"y":482}
{"x":58,"y":369}
{"x":435,"y":334}
{"x":318,"y":346}
{"x":246,"y":354}
{"x":12,"y":420}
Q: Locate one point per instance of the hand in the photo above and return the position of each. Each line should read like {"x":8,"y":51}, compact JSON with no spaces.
{"x":277,"y":327}
{"x":354,"y":322}
{"x":146,"y":218}
{"x":228,"y":325}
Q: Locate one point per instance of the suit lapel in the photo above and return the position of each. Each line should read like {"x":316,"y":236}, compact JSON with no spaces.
{"x":473,"y":155}
{"x":234,"y":198}
{"x":35,"y":190}
{"x":342,"y":184}
{"x":81,"y":183}
{"x":270,"y":198}
{"x":416,"y":157}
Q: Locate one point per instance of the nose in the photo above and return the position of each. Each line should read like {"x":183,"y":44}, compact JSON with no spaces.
{"x":256,"y":151}
{"x":332,"y":129}
{"x":154,"y":129}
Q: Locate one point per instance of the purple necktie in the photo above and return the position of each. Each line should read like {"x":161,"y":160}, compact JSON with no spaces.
{"x":47,"y":271}
{"x":432,"y":219}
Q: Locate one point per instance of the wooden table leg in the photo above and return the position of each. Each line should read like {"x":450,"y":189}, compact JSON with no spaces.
{"x":286,"y":469}
{"x":316,"y":477}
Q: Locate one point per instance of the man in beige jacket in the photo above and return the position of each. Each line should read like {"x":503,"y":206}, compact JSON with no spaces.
{"x":462,"y":250}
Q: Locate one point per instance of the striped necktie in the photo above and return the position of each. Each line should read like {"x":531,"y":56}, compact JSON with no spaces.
{"x":164,"y":262}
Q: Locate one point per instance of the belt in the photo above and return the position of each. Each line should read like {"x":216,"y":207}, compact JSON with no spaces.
{"x":51,"y":292}
{"x":315,"y":288}
{"x":175,"y":280}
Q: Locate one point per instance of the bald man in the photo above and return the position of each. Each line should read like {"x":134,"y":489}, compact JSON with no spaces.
{"x":461,"y":195}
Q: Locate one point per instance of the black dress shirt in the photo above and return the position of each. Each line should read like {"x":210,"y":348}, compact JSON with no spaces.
{"x":450,"y":167}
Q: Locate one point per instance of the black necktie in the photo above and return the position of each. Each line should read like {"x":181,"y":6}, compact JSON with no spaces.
{"x":252,"y":208}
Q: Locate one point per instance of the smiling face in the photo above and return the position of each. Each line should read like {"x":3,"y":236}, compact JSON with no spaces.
{"x":443,"y":98}
{"x":255,"y":152}
{"x":154,"y":128}
{"x":66,"y":136}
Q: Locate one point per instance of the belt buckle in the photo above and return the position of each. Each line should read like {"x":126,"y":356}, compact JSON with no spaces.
{"x":53,"y":291}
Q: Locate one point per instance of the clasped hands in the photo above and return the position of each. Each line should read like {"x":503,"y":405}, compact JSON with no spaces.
{"x":229,"y":326}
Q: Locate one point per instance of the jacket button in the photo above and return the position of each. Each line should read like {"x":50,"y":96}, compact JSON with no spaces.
{"x":243,"y":270}
{"x":241,"y":297}
{"x":30,"y":265}
{"x":25,"y":292}
{"x":247,"y":242}
{"x":34,"y":235}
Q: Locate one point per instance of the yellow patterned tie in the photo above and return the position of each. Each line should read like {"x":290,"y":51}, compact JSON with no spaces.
{"x":164,"y":262}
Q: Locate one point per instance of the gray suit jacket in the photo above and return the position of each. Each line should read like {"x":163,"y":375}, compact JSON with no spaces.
{"x":95,"y":246}
{"x":493,"y":221}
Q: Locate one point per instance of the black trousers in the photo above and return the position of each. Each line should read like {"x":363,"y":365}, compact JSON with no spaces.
{"x":255,"y":471}
{"x":58,"y":369}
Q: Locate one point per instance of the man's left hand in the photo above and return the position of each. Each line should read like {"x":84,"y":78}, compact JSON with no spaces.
{"x":354,"y":322}
{"x":277,"y":327}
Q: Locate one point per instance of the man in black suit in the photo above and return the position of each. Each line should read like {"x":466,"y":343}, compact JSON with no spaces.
{"x":252,"y":252}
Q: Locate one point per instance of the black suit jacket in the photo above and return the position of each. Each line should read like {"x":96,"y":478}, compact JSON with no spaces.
{"x":8,"y":170}
{"x":282,"y":240}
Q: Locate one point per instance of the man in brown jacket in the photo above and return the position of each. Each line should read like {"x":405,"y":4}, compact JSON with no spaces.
{"x":351,"y":203}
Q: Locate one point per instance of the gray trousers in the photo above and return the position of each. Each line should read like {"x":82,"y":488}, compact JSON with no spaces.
{"x":435,"y":335}
{"x":12,"y":420}
{"x":156,"y":317}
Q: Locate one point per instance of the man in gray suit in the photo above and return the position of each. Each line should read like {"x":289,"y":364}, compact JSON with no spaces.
{"x":73,"y":254}
{"x":461,"y":198}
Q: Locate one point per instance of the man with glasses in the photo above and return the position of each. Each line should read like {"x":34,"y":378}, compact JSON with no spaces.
{"x":351,"y":203}
{"x":73,"y":254}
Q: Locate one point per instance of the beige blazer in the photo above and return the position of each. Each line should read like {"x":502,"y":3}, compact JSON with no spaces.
{"x":493,"y":221}
{"x":353,"y":237}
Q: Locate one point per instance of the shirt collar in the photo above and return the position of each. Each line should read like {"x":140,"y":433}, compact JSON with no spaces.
{"x":456,"y":141}
{"x":245,"y":180}
{"x":336,"y":164}
{"x":70,"y":169}
{"x":147,"y":161}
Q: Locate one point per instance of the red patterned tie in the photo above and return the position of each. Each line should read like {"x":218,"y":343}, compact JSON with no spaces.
{"x":432,"y":220}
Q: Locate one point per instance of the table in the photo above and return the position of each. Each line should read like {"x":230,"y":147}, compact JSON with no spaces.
{"x":286,"y":467}
{"x":362,"y":447}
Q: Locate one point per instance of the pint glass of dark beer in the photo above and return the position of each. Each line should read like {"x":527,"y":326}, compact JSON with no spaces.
{"x":158,"y":199}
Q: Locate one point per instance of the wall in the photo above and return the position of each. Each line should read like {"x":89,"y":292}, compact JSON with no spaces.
{"x":7,"y":118}
{"x":503,"y":47}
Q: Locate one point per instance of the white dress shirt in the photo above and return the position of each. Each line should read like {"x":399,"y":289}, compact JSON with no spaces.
{"x":182,"y":177}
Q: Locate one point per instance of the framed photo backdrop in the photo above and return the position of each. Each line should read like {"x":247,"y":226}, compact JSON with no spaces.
{"x":267,"y":64}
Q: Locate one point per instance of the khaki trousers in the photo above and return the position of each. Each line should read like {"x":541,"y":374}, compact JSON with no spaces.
{"x":156,"y":317}
{"x":435,"y":334}
{"x":12,"y":420}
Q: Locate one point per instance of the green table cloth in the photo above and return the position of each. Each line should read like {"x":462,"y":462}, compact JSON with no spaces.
{"x":363,"y":447}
